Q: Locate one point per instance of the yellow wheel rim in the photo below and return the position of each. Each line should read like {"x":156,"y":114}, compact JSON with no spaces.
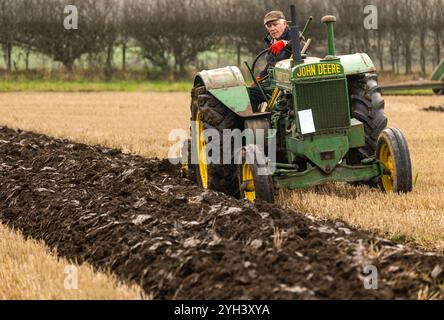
{"x":201,"y":151}
{"x":248,"y":183}
{"x":386,"y":158}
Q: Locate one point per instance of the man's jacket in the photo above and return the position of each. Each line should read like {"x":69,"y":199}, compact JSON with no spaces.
{"x":285,"y":54}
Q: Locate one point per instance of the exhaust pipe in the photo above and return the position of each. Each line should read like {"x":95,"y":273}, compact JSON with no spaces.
{"x":329,"y":21}
{"x":294,"y":35}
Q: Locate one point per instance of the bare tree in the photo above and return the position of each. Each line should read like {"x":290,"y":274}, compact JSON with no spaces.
{"x":407,"y":34}
{"x":42,"y":28}
{"x":242,"y":26}
{"x":190,"y":31}
{"x":422,"y":23}
{"x":144,"y":24}
{"x":436,"y":26}
{"x":107,"y":12}
{"x":8,"y":29}
{"x":172,"y":33}
{"x":124,"y":37}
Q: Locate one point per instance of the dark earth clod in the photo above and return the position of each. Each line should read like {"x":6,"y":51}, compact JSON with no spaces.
{"x":434,"y":109}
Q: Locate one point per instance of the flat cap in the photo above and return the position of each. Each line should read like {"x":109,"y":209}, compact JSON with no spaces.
{"x":273,"y":16}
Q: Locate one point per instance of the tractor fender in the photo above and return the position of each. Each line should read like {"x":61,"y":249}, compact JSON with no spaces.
{"x":228,"y":86}
{"x":357,"y":63}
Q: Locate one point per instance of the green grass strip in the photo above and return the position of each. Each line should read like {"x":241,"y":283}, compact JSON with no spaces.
{"x":93,"y":86}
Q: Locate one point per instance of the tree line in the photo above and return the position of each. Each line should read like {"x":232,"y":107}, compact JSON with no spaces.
{"x":170,"y":34}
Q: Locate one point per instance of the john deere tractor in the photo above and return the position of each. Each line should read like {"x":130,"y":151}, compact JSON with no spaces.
{"x":326,"y":118}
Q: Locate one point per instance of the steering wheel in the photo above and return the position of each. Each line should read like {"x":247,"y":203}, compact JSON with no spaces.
{"x":253,"y":67}
{"x":255,"y":61}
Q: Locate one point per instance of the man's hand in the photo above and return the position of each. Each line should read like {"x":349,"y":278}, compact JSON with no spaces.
{"x":258,"y":79}
{"x":277,"y":48}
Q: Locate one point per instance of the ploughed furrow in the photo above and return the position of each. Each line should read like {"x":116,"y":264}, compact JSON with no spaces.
{"x":139,"y":219}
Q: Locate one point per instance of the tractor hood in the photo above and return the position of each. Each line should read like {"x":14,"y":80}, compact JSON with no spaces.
{"x":353,"y":63}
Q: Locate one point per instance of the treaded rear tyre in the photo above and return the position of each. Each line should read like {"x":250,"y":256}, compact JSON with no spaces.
{"x":217,"y":116}
{"x":438,"y":92}
{"x":367,"y":105}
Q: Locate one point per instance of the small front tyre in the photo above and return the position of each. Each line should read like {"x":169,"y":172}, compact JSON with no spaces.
{"x":393,"y":153}
{"x":438,"y":92}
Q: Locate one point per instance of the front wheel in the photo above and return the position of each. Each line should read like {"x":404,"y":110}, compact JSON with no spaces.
{"x":393,"y":153}
{"x":438,"y":92}
{"x":255,"y":180}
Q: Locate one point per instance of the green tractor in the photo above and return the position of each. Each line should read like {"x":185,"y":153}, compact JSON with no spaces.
{"x":325,"y":119}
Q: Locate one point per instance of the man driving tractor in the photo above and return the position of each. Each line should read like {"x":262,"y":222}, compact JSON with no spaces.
{"x":279,"y":45}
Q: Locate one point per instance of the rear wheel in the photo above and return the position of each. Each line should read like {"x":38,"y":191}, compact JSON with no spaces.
{"x":367,"y":105}
{"x":255,"y":182}
{"x":209,"y":114}
{"x":438,"y":92}
{"x":393,"y":152}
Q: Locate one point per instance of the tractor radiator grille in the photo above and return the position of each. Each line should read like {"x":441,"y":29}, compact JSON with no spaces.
{"x":328,"y":100}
